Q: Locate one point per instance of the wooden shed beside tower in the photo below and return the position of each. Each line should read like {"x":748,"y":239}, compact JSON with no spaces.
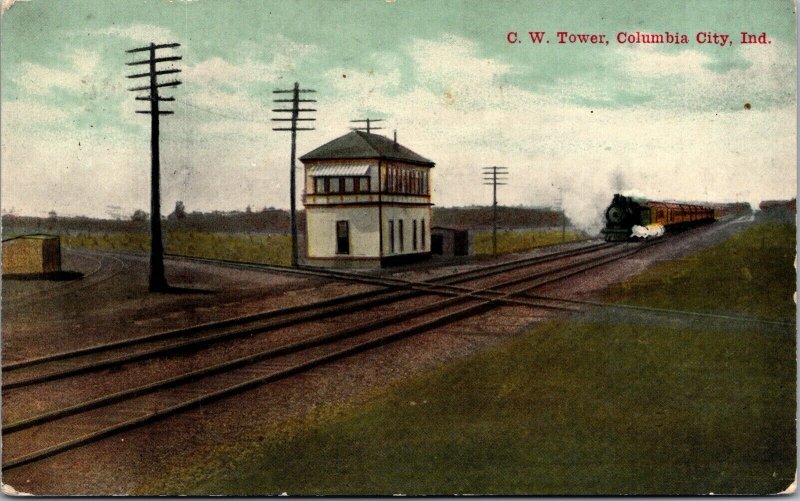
{"x":367,"y":201}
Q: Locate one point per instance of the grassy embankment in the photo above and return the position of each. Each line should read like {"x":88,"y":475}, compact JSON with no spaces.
{"x":509,"y":241}
{"x":276,"y":249}
{"x":267,"y":249}
{"x":606,"y":403}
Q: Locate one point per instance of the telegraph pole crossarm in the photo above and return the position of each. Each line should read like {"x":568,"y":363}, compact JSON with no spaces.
{"x":156,"y":60}
{"x":369,"y":122}
{"x":295,"y":111}
{"x":157,"y":280}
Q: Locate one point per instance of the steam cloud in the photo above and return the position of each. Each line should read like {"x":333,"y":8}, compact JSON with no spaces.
{"x":649,"y":231}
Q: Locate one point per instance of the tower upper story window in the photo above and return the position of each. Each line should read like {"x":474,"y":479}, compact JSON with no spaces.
{"x":336,"y":185}
{"x":406,"y":181}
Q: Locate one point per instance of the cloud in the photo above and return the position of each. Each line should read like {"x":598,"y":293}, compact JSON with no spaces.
{"x":461,"y":114}
{"x":37,"y":79}
{"x":219,"y":116}
{"x":381,"y":79}
{"x":455,"y":107}
{"x":284,"y":50}
{"x":217,"y":71}
{"x":767,"y":76}
{"x":220,"y":100}
{"x":452,"y":60}
{"x":20,"y":114}
{"x":285,"y":54}
{"x":143,"y":33}
{"x":647,"y":60}
{"x":216,"y":78}
{"x":41,"y":86}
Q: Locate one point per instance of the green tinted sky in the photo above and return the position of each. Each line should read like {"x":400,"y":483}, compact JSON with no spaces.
{"x":431,"y":68}
{"x":349,"y":32}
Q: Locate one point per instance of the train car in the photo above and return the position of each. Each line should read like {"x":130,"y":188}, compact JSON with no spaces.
{"x":627,"y":218}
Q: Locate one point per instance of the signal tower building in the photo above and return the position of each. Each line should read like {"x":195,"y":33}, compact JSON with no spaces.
{"x":367,"y":201}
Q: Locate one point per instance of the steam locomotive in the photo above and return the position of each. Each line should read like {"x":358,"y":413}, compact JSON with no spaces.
{"x":627,"y":218}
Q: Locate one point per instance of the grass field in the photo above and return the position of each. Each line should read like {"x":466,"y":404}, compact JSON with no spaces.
{"x":276,"y":249}
{"x":267,"y":249}
{"x":749,"y":275}
{"x":519,"y":240}
{"x":605,"y":403}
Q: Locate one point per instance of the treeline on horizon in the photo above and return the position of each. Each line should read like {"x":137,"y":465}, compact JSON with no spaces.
{"x":267,"y":220}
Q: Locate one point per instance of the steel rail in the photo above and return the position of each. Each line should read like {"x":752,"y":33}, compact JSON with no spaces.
{"x":206,"y":340}
{"x":382,"y":322}
{"x":273,"y":352}
{"x":91,"y":279}
{"x":323,"y":307}
{"x":443,"y":319}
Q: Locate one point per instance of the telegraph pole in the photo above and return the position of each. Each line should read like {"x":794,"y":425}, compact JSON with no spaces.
{"x":369,"y":122}
{"x":157,"y":279}
{"x":295,"y":111}
{"x":495,"y":176}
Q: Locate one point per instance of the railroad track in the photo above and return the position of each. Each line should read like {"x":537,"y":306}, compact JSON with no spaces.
{"x":43,"y":435}
{"x":107,"y":267}
{"x":112,"y":354}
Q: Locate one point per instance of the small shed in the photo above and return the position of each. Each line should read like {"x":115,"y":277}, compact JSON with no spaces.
{"x":449,"y":241}
{"x":32,"y":254}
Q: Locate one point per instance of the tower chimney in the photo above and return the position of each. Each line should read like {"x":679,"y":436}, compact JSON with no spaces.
{"x":395,"y":137}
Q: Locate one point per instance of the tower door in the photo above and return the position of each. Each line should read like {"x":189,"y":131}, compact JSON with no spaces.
{"x":342,"y":237}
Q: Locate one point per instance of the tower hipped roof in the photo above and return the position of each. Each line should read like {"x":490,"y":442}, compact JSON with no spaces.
{"x":360,"y":144}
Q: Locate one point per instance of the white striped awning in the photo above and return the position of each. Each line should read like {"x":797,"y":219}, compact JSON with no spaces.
{"x":339,"y":170}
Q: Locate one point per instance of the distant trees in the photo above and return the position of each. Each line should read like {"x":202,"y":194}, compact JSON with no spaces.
{"x":139,"y":215}
{"x":179,"y":212}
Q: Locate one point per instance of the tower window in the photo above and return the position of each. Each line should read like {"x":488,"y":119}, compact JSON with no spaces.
{"x":400,"y":234}
{"x":391,"y":236}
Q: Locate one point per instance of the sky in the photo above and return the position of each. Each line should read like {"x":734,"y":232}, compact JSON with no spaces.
{"x":572,"y":121}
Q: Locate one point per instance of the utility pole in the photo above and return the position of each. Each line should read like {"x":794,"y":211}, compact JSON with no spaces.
{"x":369,"y":122}
{"x":295,"y":111}
{"x":495,"y":176}
{"x":157,"y":279}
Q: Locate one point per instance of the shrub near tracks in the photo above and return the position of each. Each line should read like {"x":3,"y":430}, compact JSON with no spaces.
{"x":593,"y":405}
